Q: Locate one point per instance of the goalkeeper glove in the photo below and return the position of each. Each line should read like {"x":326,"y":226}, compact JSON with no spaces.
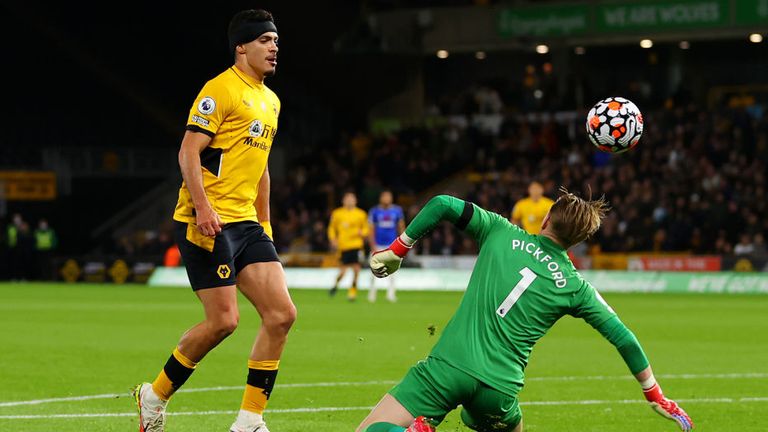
{"x":385,"y":262}
{"x":667,"y":408}
{"x":267,"y":229}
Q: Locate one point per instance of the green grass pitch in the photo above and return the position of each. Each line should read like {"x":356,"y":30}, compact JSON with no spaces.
{"x":91,"y":343}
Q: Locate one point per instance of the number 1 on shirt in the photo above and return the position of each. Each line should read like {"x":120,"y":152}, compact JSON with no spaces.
{"x":517,"y":291}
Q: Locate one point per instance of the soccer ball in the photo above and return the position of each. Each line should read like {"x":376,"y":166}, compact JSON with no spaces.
{"x":614,"y":125}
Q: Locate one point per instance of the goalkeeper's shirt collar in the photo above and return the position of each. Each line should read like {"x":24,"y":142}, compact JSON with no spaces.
{"x":550,"y":244}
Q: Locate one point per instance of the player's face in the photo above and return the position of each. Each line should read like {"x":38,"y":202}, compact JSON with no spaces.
{"x":350,"y":200}
{"x":261,"y":54}
{"x":385,"y":198}
{"x":535,"y":191}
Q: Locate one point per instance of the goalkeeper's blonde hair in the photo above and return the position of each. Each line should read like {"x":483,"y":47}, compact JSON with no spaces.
{"x":573,"y":219}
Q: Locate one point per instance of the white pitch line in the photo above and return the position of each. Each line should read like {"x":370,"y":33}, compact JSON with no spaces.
{"x":180,"y":413}
{"x":61,"y":399}
{"x":290,"y":385}
{"x":662,"y":376}
{"x":754,"y":399}
{"x":365,"y":383}
{"x":192,"y":390}
{"x":365,"y":408}
{"x":638,"y":401}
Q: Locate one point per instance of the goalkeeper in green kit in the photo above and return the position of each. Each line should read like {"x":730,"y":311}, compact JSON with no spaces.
{"x":520,"y":286}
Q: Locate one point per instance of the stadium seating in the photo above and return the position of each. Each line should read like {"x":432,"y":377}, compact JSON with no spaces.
{"x":690,"y":185}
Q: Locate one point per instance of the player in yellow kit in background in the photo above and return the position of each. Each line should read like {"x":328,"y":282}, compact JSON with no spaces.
{"x":347,"y":232}
{"x":222,"y":225}
{"x":529,"y":212}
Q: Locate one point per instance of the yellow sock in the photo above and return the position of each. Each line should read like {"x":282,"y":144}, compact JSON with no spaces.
{"x":174,"y":374}
{"x":163,"y":386}
{"x":261,"y":380}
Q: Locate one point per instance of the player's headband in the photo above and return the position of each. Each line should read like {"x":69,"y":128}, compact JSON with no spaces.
{"x":249,"y":31}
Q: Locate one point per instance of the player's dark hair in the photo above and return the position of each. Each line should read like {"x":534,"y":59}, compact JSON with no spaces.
{"x":241,"y":25}
{"x":574,"y":219}
{"x":250,"y":15}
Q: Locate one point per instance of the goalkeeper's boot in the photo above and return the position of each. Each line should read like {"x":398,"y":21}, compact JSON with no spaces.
{"x":151,"y":409}
{"x":420,"y":424}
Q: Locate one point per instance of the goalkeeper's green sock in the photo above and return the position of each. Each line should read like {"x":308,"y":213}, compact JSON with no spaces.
{"x":384,"y":427}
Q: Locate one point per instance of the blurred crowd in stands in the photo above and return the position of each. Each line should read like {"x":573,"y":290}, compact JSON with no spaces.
{"x":407,"y":162}
{"x":696,"y":182}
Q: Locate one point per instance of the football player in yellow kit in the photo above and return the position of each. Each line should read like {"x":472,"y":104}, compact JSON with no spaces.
{"x":222,"y":224}
{"x":347,"y":231}
{"x":529,"y":212}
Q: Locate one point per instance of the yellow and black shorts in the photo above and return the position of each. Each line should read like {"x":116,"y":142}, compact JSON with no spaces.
{"x":214,"y":261}
{"x":351,"y":256}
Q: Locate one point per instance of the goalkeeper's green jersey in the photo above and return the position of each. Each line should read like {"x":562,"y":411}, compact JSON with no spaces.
{"x":520,"y":286}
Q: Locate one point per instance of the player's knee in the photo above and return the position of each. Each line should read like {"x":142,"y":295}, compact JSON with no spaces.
{"x":280,"y":321}
{"x":287,"y":317}
{"x":225,"y":325}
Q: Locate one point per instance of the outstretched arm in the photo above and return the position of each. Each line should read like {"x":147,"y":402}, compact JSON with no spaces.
{"x":465,"y":215}
{"x":439,"y":208}
{"x":597,"y":313}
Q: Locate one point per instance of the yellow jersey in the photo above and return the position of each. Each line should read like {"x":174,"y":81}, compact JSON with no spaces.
{"x":240,"y":115}
{"x":348,"y":227}
{"x":531,"y":213}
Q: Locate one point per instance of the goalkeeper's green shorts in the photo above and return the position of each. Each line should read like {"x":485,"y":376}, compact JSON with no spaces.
{"x":433,"y":388}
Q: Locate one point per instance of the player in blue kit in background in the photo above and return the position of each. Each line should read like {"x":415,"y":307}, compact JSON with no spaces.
{"x":387,"y":223}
